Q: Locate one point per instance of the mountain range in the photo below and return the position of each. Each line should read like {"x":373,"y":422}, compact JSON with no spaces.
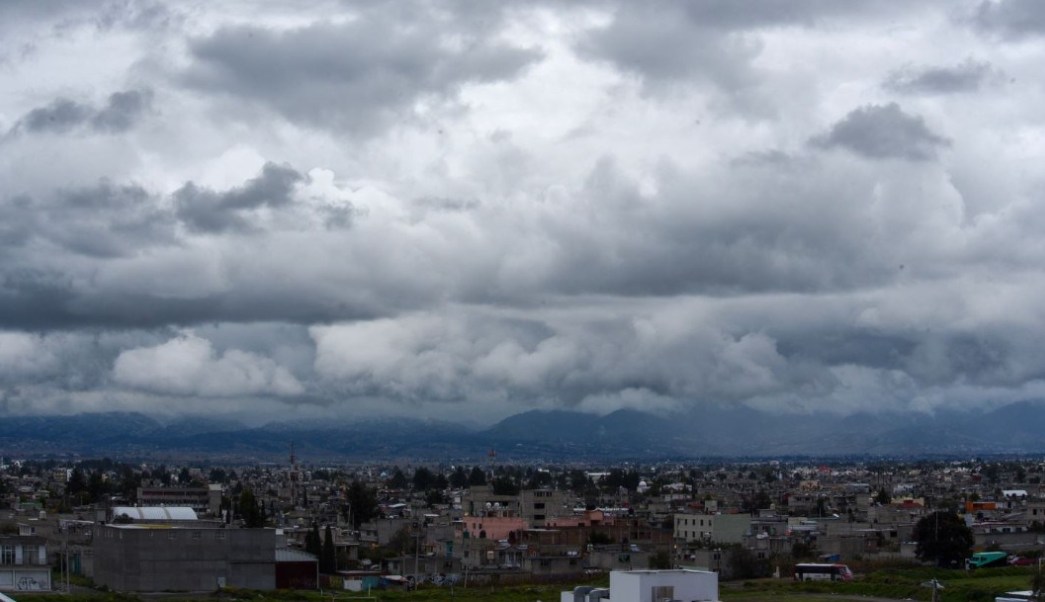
{"x":557,"y":435}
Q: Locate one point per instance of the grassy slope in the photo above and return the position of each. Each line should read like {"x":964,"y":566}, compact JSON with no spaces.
{"x":894,"y":584}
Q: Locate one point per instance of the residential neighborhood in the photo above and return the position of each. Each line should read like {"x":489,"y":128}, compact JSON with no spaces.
{"x":296,"y":525}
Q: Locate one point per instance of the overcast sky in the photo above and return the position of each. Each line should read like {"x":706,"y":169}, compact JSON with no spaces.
{"x":469,"y":209}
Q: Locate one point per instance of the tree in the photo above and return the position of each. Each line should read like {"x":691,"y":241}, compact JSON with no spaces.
{"x":96,"y":487}
{"x":943,"y":538}
{"x":801,"y":550}
{"x":441,"y":482}
{"x":882,"y":497}
{"x":423,"y":479}
{"x":505,"y":485}
{"x":744,"y":564}
{"x":77,"y":484}
{"x":218,"y":475}
{"x":459,"y":478}
{"x":362,"y":502}
{"x":476,"y":477}
{"x":402,"y":541}
{"x":249,"y":510}
{"x":328,"y":557}
{"x":312,"y":542}
{"x":398,"y":480}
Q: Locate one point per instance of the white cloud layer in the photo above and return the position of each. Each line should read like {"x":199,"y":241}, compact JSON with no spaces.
{"x":188,"y":365}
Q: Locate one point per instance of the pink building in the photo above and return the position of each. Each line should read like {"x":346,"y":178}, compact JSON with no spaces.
{"x":492,"y":527}
{"x":590,"y":518}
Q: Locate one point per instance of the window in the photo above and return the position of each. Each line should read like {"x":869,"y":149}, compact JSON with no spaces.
{"x":30,"y":555}
{"x":538,"y":506}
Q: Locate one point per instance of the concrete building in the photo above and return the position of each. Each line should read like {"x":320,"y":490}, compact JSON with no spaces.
{"x":537,"y":506}
{"x":152,"y":514}
{"x":169,"y":558}
{"x":204,"y":500}
{"x":492,"y":527}
{"x":23,"y":563}
{"x":651,"y":586}
{"x":719,"y":528}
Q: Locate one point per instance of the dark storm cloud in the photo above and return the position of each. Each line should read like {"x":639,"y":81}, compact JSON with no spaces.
{"x":660,"y":43}
{"x":120,"y":113}
{"x":709,"y":40}
{"x":355,"y":75}
{"x":967,"y":76}
{"x":702,"y":236}
{"x":209,"y":211}
{"x":1014,"y":18}
{"x":106,"y":220}
{"x":60,"y":116}
{"x":883,"y":132}
{"x":37,"y":299}
{"x":118,"y":255}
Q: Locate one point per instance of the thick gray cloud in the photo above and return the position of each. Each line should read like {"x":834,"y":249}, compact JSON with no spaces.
{"x":715,"y":42}
{"x":883,"y":132}
{"x":106,"y":220}
{"x":209,"y":211}
{"x":120,"y":113}
{"x":357,"y":76}
{"x":61,"y":115}
{"x":468,"y":208}
{"x":665,"y":43}
{"x":967,"y":76}
{"x":1015,"y":18}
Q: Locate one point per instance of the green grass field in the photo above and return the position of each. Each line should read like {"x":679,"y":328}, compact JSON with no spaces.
{"x":882,"y":584}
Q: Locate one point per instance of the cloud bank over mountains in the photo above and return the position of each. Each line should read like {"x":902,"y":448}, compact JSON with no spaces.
{"x":467,"y":210}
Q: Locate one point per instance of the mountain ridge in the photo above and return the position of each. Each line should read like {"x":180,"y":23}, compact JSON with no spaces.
{"x":553,"y":435}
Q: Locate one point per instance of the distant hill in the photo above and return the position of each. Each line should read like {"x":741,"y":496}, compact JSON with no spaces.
{"x":557,"y":435}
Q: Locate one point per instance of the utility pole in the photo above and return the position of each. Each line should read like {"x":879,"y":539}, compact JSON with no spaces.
{"x":417,"y":549}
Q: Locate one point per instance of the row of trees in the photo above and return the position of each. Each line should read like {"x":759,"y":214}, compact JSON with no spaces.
{"x":324,"y":551}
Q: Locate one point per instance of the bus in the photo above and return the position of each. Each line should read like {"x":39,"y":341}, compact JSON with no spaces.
{"x":981,"y":560}
{"x":810,"y":571}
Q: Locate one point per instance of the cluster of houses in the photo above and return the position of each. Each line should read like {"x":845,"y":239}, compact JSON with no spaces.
{"x":186,"y":534}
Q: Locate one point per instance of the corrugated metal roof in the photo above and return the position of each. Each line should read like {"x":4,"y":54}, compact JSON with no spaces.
{"x":292,"y":555}
{"x":155,"y":512}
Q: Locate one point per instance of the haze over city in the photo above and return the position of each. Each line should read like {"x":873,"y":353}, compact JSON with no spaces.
{"x":467,"y":210}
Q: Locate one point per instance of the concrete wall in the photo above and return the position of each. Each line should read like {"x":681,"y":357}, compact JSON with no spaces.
{"x":21,"y":578}
{"x":171,"y":559}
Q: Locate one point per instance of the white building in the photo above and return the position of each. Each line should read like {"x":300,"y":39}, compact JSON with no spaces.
{"x":651,"y":586}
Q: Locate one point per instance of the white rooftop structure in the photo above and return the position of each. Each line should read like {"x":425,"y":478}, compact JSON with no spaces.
{"x":684,"y":585}
{"x":155,"y":512}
